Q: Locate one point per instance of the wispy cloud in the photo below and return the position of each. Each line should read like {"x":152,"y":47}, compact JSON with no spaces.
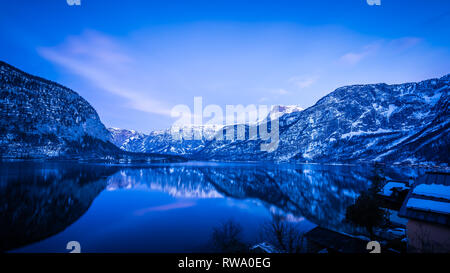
{"x":263,"y":100}
{"x":280,"y":92}
{"x":404,"y":43}
{"x":102,"y":61}
{"x":304,"y":81}
{"x":353,"y":58}
{"x":395,"y":45}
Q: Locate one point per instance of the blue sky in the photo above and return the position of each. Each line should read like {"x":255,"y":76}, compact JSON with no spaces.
{"x":135,"y":60}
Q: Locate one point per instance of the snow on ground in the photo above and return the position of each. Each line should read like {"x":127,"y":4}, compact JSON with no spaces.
{"x":387,"y":189}
{"x":392,"y":108}
{"x":358,"y":133}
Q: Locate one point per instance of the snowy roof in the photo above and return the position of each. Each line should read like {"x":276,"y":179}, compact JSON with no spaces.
{"x":433,"y":190}
{"x":428,"y":205}
{"x":429,"y":199}
{"x":265,"y":247}
{"x":387,"y":189}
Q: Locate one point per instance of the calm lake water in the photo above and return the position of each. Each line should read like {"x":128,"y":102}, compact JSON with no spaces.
{"x":169,"y":208}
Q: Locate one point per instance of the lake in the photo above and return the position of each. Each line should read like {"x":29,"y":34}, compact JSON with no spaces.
{"x":171,"y":207}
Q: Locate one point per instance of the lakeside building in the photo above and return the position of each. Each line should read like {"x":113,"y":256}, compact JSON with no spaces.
{"x":427,"y":208}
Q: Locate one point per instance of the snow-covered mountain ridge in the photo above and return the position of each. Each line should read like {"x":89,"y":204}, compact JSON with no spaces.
{"x":163,"y":141}
{"x":400,"y":123}
{"x":43,"y":119}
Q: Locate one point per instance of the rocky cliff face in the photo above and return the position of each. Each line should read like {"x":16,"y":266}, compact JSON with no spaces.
{"x":40,"y":118}
{"x":121,"y":137}
{"x":43,"y":119}
{"x":407,"y":123}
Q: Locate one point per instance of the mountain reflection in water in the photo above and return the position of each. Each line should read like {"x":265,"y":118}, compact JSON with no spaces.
{"x":167,"y":208}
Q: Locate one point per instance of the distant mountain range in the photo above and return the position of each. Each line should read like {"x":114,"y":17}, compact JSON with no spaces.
{"x":402,"y":123}
{"x":43,"y":119}
{"x":163,"y":142}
